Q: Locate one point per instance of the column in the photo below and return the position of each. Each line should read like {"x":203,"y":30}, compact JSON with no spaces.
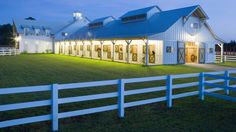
{"x":101,"y":49}
{"x":222,"y":53}
{"x":113,"y":50}
{"x":147,"y":53}
{"x":83,"y":51}
{"x":128,"y":50}
{"x":91,"y":48}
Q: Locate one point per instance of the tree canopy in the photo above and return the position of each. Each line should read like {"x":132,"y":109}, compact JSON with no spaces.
{"x":6,"y":35}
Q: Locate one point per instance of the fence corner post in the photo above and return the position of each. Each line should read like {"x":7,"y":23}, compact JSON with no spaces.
{"x":201,"y":85}
{"x":54,"y":107}
{"x":169,"y":91}
{"x":121,"y":98}
{"x":225,"y":58}
{"x":226,"y":82}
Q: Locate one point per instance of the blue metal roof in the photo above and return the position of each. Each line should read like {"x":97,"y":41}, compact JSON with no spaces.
{"x":102,"y":19}
{"x":31,"y":25}
{"x":139,"y":11}
{"x":158,"y":23}
{"x":71,"y":28}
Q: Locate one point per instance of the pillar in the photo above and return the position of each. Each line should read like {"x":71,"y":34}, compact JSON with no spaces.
{"x":147,"y":53}
{"x":222,"y":53}
{"x":101,"y":49}
{"x":83,"y":51}
{"x":113,"y":50}
{"x":91,"y":49}
{"x":128,"y":50}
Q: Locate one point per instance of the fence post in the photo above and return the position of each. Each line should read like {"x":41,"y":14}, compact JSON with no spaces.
{"x":54,"y":107}
{"x":121,"y":98}
{"x":226,"y":82}
{"x":201,"y":85}
{"x":169,"y":91}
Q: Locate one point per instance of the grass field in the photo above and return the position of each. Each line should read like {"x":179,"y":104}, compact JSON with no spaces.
{"x":188,"y":114}
{"x":229,"y":64}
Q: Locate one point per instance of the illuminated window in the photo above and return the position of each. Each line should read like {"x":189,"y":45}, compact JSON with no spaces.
{"x":88,"y":48}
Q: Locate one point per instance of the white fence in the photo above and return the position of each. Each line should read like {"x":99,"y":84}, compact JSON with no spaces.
{"x":226,"y":58}
{"x":8,"y":51}
{"x":121,"y":93}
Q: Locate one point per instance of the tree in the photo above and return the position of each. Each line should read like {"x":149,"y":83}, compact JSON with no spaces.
{"x":7,"y":37}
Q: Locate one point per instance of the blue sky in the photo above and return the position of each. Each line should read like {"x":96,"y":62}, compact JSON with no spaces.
{"x":221,"y":12}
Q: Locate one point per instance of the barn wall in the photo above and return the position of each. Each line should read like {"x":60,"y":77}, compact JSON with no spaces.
{"x":170,"y":58}
{"x":184,"y":33}
{"x":79,"y":48}
{"x":35,"y":44}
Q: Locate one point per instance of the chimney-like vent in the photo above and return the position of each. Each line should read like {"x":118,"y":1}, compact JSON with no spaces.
{"x":77,"y":15}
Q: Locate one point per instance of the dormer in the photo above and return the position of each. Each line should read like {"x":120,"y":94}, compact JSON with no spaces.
{"x":36,"y":30}
{"x":140,"y":14}
{"x":100,"y":22}
{"x":26,"y":30}
{"x":47,"y":31}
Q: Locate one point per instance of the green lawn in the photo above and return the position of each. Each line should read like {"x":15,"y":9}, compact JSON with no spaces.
{"x":229,"y":64}
{"x":188,"y":114}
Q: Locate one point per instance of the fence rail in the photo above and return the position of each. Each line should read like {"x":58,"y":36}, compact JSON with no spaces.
{"x":226,"y":86}
{"x":226,"y":58}
{"x":8,"y":51}
{"x":121,"y":93}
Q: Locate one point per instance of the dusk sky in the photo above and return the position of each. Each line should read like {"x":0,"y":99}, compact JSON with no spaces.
{"x":221,"y":12}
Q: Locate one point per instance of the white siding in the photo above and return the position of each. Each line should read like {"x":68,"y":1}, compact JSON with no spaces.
{"x":183,"y":32}
{"x":35,"y":44}
{"x":170,"y":58}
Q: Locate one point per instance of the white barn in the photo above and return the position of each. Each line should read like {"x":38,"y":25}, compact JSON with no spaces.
{"x":173,"y":37}
{"x":35,"y":36}
{"x":32,"y":36}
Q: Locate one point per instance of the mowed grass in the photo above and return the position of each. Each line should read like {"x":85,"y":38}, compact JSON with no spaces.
{"x":229,"y":64}
{"x":188,"y":114}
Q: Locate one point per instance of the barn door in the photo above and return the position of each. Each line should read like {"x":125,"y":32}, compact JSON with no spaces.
{"x":151,"y":53}
{"x":202,"y":55}
{"x":181,"y":53}
{"x":121,"y":55}
{"x":202,"y":51}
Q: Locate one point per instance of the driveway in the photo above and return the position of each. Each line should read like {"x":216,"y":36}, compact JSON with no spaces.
{"x":211,"y":67}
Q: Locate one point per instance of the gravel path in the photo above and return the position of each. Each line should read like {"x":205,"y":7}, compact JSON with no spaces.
{"x":212,"y":67}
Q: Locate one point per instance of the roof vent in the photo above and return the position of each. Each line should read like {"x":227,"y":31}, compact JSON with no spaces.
{"x":140,"y":14}
{"x":101,"y":22}
{"x":95,"y":25}
{"x":134,"y":18}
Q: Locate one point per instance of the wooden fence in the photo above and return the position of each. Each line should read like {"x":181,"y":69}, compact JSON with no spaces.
{"x":8,"y":51}
{"x":121,"y":93}
{"x":226,"y":58}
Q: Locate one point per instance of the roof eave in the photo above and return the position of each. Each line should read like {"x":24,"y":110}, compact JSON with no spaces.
{"x":202,"y":11}
{"x":214,"y":35}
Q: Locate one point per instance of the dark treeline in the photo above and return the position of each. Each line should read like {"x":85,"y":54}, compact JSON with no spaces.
{"x":6,"y":35}
{"x":229,"y":48}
